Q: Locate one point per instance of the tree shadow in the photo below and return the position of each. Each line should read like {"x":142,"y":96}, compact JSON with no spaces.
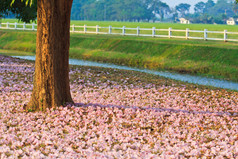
{"x":170,"y":110}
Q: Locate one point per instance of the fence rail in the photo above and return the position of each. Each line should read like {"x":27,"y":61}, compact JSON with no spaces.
{"x":149,"y":32}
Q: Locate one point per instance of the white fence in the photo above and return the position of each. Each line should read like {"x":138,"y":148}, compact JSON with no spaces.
{"x":18,"y":26}
{"x":149,"y":32}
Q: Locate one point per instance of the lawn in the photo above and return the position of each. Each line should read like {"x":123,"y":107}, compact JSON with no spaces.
{"x":147,"y":25}
{"x":201,"y":27}
{"x":211,"y":27}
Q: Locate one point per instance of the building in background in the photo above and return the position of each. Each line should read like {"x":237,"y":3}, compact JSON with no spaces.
{"x":231,"y":21}
{"x":184,"y":21}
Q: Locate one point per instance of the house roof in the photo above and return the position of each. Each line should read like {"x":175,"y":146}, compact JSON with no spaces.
{"x":231,"y":19}
{"x":182,"y":19}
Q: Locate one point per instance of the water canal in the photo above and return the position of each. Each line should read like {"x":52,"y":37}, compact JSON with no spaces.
{"x":176,"y":76}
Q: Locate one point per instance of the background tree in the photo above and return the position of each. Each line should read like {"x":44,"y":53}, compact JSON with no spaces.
{"x":235,"y":8}
{"x":183,"y":8}
{"x":217,"y":12}
{"x":222,"y":7}
{"x":153,"y":6}
{"x":209,"y":5}
{"x":199,"y":7}
{"x":157,"y":7}
{"x":121,"y":10}
{"x":77,"y":9}
{"x":90,"y":11}
{"x":163,"y":9}
{"x":145,"y":10}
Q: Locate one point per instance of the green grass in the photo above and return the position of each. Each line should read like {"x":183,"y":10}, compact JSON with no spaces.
{"x":158,"y":25}
{"x":210,"y":60}
{"x":12,"y":21}
{"x":22,"y":41}
{"x":209,"y":27}
{"x":206,"y":58}
{"x":15,"y":53}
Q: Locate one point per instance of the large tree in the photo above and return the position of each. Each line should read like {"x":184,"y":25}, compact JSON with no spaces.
{"x":51,"y":81}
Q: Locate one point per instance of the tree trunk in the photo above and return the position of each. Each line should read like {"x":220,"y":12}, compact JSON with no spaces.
{"x":51,"y":80}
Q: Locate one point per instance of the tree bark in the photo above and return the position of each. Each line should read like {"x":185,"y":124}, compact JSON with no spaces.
{"x":51,"y":81}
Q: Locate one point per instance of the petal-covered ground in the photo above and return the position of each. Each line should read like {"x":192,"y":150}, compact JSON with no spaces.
{"x":118,"y":114}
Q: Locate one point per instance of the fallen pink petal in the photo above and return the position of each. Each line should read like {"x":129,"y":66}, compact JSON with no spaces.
{"x":116,"y":119}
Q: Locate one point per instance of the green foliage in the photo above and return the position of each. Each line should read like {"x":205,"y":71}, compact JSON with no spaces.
{"x":158,"y":7}
{"x":211,"y":12}
{"x":209,"y":5}
{"x":221,"y":7}
{"x":19,"y":8}
{"x":200,"y":7}
{"x":120,"y":10}
{"x":129,"y":10}
{"x":27,"y":2}
{"x":235,"y":8}
{"x":183,"y":8}
{"x":147,"y":10}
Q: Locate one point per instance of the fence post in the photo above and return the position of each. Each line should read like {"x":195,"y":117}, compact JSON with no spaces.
{"x":187,"y":33}
{"x":225,"y":35}
{"x":123,"y":30}
{"x":7,"y":25}
{"x":170,"y":32}
{"x":85,"y":28}
{"x":15,"y":25}
{"x":109,"y":29}
{"x":153,"y":32}
{"x":97,"y":29}
{"x":24,"y":26}
{"x":73,"y":28}
{"x":138,"y":31}
{"x":205,"y":34}
{"x":33,"y":26}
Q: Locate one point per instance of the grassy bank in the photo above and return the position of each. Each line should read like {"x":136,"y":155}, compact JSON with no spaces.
{"x":208,"y":58}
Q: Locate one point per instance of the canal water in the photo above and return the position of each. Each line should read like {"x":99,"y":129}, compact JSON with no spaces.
{"x":176,"y":76}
